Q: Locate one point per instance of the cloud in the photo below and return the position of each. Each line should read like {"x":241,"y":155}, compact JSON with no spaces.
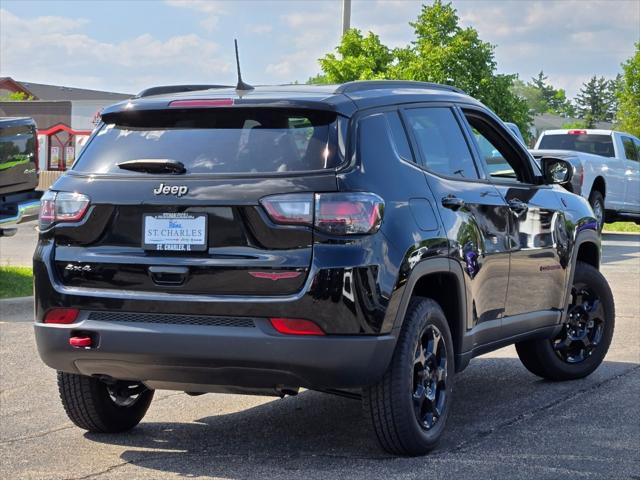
{"x":259,"y":28}
{"x":570,"y":40}
{"x":81,"y":60}
{"x":309,"y":34}
{"x":211,"y":9}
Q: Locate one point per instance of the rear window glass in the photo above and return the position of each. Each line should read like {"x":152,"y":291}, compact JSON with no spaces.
{"x":596,"y":144}
{"x":17,"y":145}
{"x":239,"y":140}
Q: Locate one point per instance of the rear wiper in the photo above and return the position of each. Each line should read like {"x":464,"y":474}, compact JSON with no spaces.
{"x":153,"y":165}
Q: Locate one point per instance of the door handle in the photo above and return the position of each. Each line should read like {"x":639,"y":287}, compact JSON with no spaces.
{"x":452,"y":202}
{"x":518,"y":206}
{"x":168,"y":275}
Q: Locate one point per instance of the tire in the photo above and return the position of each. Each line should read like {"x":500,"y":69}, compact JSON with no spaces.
{"x":91,"y":404}
{"x":567,"y":356}
{"x":389,"y":405}
{"x":596,"y":200}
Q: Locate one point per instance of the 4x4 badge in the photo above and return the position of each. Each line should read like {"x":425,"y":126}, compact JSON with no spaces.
{"x":178,"y":190}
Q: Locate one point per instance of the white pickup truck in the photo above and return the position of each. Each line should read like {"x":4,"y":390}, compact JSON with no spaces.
{"x":606,"y":169}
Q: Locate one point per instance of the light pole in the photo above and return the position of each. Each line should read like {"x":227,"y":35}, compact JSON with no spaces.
{"x":346,"y":16}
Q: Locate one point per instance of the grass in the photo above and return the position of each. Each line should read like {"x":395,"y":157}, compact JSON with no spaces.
{"x":16,"y":282}
{"x":622,"y":227}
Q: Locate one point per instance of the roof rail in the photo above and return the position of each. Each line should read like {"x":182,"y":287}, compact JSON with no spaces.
{"x":361,"y":85}
{"x":160,"y":90}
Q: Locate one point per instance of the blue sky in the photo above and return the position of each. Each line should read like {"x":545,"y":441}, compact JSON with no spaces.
{"x":128,"y":45}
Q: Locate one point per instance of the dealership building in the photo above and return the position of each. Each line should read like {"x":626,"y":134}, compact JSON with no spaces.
{"x":65,"y":117}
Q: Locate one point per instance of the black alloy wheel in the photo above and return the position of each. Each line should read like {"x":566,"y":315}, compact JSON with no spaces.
{"x":583,"y":340}
{"x":430,"y":377}
{"x":125,"y":394}
{"x":584,"y":329}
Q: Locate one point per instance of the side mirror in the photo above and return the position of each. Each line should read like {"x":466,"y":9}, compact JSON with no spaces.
{"x":556,"y":170}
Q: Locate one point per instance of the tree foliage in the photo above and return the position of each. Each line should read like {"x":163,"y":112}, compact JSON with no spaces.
{"x":628,"y":95}
{"x":360,"y":57}
{"x":15,"y":97}
{"x":596,"y":101}
{"x":441,"y":52}
{"x":542,"y":97}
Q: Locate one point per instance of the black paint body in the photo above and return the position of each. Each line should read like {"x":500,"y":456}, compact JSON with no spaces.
{"x":501,"y":274}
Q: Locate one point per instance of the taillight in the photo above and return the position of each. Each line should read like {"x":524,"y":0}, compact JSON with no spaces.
{"x":58,"y":207}
{"x":577,"y":132}
{"x":333,"y":213}
{"x":61,"y":315}
{"x":348,"y":213}
{"x":295,"y":326}
{"x":290,"y":209}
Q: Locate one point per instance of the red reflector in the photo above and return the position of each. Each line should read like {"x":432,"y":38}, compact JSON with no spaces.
{"x":80,"y":341}
{"x":577,"y":132}
{"x":295,"y":326}
{"x":218,"y":102}
{"x":61,"y":315}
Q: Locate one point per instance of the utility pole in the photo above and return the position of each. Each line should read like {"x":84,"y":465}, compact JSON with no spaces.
{"x":346,"y":16}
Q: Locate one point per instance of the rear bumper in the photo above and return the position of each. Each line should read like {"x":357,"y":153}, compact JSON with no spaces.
{"x":197,"y":357}
{"x":19,"y":212}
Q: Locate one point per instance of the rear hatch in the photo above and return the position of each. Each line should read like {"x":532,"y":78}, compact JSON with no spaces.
{"x":18,"y":155}
{"x":174,"y":201}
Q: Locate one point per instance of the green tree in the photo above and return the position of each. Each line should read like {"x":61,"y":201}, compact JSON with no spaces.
{"x":531,"y":94}
{"x":543,"y":97}
{"x":575,"y":124}
{"x":596,"y":101}
{"x":441,"y":52}
{"x":15,"y":97}
{"x":359,"y":57}
{"x":628,"y":95}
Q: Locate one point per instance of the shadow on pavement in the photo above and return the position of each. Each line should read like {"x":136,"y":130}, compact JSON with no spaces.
{"x":626,"y":247}
{"x":319,"y":433}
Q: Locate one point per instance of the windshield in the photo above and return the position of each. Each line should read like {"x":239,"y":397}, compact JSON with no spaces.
{"x":588,"y":143}
{"x":239,"y":140}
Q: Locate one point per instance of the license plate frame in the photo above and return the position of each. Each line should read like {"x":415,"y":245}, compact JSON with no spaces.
{"x":188,"y":232}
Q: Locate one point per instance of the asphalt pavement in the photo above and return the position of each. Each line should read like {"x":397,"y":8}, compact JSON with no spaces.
{"x":505,"y":422}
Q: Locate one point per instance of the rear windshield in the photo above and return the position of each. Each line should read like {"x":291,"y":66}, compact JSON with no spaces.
{"x":596,"y":144}
{"x":17,"y":145}
{"x":239,"y":140}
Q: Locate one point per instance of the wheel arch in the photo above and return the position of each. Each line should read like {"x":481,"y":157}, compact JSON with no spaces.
{"x":585,"y":249}
{"x":599,"y":185}
{"x":440,"y":280}
{"x":589,"y":252}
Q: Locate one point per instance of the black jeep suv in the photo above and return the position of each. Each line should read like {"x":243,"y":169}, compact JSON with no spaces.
{"x":366,"y":239}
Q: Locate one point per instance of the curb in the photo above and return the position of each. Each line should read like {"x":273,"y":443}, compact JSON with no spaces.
{"x":607,"y":232}
{"x":16,"y":309}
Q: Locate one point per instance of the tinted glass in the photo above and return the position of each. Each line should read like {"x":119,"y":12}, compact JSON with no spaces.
{"x":501,"y":160}
{"x":240,"y":140}
{"x":17,"y":145}
{"x":399,"y":136}
{"x":443,"y":146}
{"x":596,"y":144}
{"x":497,"y":165}
{"x":630,"y":151}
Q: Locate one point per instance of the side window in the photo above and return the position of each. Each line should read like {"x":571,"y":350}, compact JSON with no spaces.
{"x":399,"y":136}
{"x":441,"y":142}
{"x":630,"y":150}
{"x":502,"y":161}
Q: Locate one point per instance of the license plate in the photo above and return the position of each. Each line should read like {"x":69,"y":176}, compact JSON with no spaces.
{"x":175,"y":232}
